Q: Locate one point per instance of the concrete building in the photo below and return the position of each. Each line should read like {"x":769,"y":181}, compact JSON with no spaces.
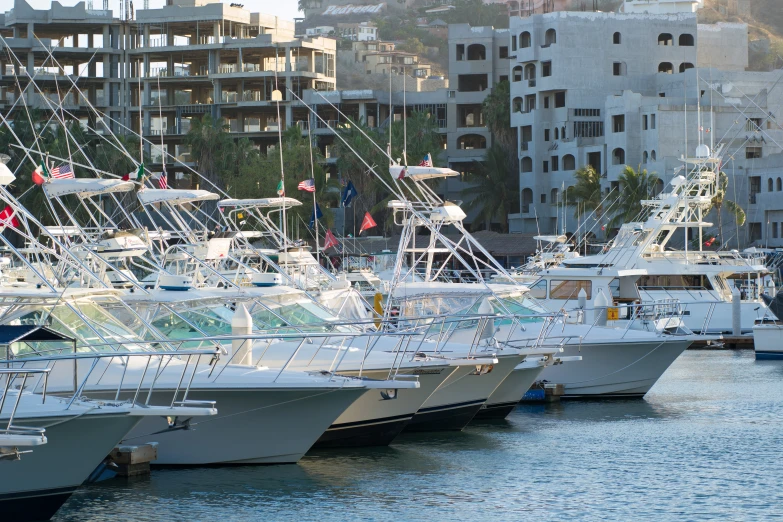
{"x":190,"y":58}
{"x":358,"y":31}
{"x":617,"y":99}
{"x":376,"y":57}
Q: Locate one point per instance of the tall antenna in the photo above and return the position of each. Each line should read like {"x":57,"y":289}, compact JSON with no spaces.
{"x":404,"y":121}
{"x":698,"y":108}
{"x":391,"y":117}
{"x":277,"y":96}
{"x":160,"y":118}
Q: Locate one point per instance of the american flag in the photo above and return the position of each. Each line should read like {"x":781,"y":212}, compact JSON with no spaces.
{"x":426,"y":162}
{"x":162,"y":181}
{"x":62,"y":172}
{"x":308,"y":185}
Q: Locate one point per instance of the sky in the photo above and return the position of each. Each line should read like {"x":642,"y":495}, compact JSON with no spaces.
{"x":282,"y":8}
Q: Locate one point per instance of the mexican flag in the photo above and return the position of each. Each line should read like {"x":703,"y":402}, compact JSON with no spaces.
{"x":280,"y":189}
{"x":41,"y":174}
{"x":136,"y":175}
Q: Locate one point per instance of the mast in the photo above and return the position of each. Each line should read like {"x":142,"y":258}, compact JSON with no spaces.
{"x":315,"y":205}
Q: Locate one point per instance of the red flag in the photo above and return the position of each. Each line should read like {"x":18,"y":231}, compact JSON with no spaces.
{"x":330,"y":240}
{"x":7,"y":218}
{"x":402,"y":174}
{"x":367,"y":222}
{"x":40,"y":174}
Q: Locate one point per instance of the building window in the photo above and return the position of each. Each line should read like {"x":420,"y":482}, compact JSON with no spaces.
{"x":543,"y":199}
{"x":645,"y":157}
{"x":546,"y":69}
{"x":753,"y":125}
{"x":779,"y":185}
{"x":546,"y":134}
{"x":652,"y":156}
{"x":686,"y":40}
{"x":618,"y":69}
{"x":546,"y":166}
{"x":460,"y":52}
{"x":516,"y":73}
{"x":524,"y":40}
{"x":618,"y":123}
{"x":618,"y":156}
{"x":652,"y":121}
{"x":555,"y":164}
{"x":503,"y":78}
{"x":684,"y":66}
{"x":617,"y":38}
{"x":550,"y":37}
{"x":516,"y":105}
{"x":752,"y":152}
{"x":553,"y":196}
{"x":568,"y":162}
{"x":770,"y":184}
{"x":477,"y":52}
{"x":665,"y":39}
{"x":666,"y":68}
{"x":557,"y":133}
{"x":514,"y":43}
{"x":527,"y":164}
{"x":775,"y":229}
{"x":503,"y":51}
{"x":560,"y":99}
{"x":644,"y":122}
{"x":546,"y":102}
{"x":527,"y":200}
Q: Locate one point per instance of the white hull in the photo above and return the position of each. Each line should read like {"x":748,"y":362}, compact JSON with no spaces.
{"x":510,"y":392}
{"x":460,"y":397}
{"x":253,"y":426}
{"x":705,"y":312}
{"x":768,"y":341}
{"x":614,"y":369}
{"x":373,"y":420}
{"x":36,"y":485}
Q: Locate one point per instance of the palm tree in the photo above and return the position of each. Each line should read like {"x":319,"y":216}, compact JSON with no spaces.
{"x":719,"y":201}
{"x":495,"y":188}
{"x":635,"y":186}
{"x":586,"y":193}
{"x":208,"y":140}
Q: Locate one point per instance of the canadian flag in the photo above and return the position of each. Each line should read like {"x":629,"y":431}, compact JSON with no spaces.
{"x":367,"y":223}
{"x":330,"y":240}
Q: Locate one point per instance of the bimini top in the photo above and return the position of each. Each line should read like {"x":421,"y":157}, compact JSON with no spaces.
{"x":87,"y":187}
{"x":149,"y":196}
{"x":418,"y":173}
{"x":260,"y":203}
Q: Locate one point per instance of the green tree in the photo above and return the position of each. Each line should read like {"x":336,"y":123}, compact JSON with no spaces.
{"x":495,"y":188}
{"x":412,"y":45}
{"x":720,"y":202}
{"x":208,"y":139}
{"x":634,"y":186}
{"x":586,"y":194}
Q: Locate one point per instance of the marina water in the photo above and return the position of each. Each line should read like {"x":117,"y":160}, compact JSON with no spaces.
{"x":706,"y":443}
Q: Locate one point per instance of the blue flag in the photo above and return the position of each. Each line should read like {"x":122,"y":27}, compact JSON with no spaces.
{"x":317,"y":214}
{"x":349,"y":193}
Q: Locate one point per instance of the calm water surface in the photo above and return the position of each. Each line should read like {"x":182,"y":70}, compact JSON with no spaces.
{"x":706,"y":443}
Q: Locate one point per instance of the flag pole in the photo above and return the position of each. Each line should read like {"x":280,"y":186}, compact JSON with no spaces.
{"x":315,"y":205}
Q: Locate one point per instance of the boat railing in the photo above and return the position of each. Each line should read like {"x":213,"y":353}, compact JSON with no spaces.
{"x":95,"y":376}
{"x":702,"y":257}
{"x":21,"y":435}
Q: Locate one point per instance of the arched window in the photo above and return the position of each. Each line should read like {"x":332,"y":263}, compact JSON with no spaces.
{"x":618,"y":156}
{"x":516,"y":74}
{"x":527,"y":200}
{"x":658,"y":187}
{"x":769,"y":185}
{"x":645,"y":157}
{"x":562,"y":133}
{"x":684,"y":66}
{"x":553,"y":196}
{"x":471,"y":141}
{"x":477,"y":52}
{"x":524,"y":40}
{"x":569,"y":163}
{"x":665,"y":67}
{"x":686,"y":40}
{"x":779,"y":186}
{"x":665,"y":39}
{"x":557,"y":133}
{"x":516,"y":105}
{"x":617,"y":38}
{"x":652,"y":155}
{"x":530,"y":71}
{"x":527,"y":164}
{"x":550,"y":37}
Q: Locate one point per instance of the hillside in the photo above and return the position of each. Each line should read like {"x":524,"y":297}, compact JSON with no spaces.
{"x":765,"y":27}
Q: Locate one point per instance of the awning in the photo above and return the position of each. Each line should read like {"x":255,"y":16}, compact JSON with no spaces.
{"x":150,"y":196}
{"x":259,"y":203}
{"x":87,"y":187}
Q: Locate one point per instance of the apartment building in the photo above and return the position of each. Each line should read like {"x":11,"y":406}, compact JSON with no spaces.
{"x":610,"y":90}
{"x":378,"y":57}
{"x":358,"y":31}
{"x":188,"y":58}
